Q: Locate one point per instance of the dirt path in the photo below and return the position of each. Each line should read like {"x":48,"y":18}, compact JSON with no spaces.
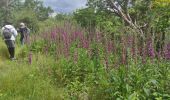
{"x":3,"y":53}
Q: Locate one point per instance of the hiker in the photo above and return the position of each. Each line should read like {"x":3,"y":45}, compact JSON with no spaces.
{"x":24,"y":33}
{"x":9,"y":34}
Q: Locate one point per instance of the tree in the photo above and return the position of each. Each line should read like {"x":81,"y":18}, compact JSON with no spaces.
{"x":86,"y":18}
{"x":40,"y":10}
{"x":101,"y":20}
{"x":137,"y":14}
{"x":120,"y":8}
{"x":161,"y":22}
{"x":7,"y":8}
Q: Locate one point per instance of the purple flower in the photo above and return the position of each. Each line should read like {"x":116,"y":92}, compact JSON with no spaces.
{"x":167,"y":51}
{"x":130,"y":40}
{"x":85,"y":43}
{"x":75,"y":56}
{"x":144,"y":56}
{"x":110,"y":47}
{"x":98,"y":37}
{"x":53,"y":35}
{"x":66,"y":43}
{"x":123,"y":55}
{"x":151,"y":51}
{"x":30,"y":58}
{"x":46,"y":49}
{"x":106,"y":62}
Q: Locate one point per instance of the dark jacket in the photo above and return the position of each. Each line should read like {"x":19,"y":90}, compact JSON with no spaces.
{"x":24,"y":31}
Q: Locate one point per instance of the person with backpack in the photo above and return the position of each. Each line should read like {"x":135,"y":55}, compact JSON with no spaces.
{"x":24,"y":33}
{"x":9,"y":34}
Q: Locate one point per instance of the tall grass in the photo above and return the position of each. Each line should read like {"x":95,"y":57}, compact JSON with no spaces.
{"x":98,"y":67}
{"x":67,"y":62}
{"x":24,"y":79}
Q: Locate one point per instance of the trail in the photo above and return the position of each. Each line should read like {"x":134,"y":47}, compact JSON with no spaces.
{"x":12,"y":72}
{"x":6,"y":65}
{"x":3,"y":53}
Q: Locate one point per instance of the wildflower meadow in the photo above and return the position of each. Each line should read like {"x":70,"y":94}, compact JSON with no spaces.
{"x":103,"y":50}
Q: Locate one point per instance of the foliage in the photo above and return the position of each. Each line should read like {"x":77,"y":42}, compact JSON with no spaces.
{"x":101,"y":20}
{"x":86,"y":17}
{"x":98,"y":57}
{"x":27,"y":16}
{"x":62,"y":17}
{"x":38,"y":8}
{"x":30,"y":12}
{"x":98,"y":69}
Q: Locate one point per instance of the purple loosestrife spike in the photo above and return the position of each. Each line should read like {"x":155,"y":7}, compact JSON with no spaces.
{"x":72,"y":37}
{"x":140,"y":51}
{"x":81,"y":39}
{"x":134,"y":49}
{"x":59,"y":39}
{"x":46,"y":50}
{"x":106,"y":63}
{"x":76,"y":35}
{"x":89,"y":52}
{"x":75,"y":56}
{"x":30,"y":58}
{"x":64,"y":36}
{"x":168,"y":46}
{"x":44,"y":36}
{"x":66,"y":43}
{"x":85,"y":43}
{"x":80,"y":36}
{"x":167,"y":52}
{"x":133,"y":52}
{"x":109,"y":46}
{"x":144,"y":56}
{"x":159,"y":55}
{"x":124,"y":55}
{"x":130,"y":40}
{"x":47,"y":36}
{"x":53,"y":35}
{"x":151,"y":51}
{"x":98,"y":37}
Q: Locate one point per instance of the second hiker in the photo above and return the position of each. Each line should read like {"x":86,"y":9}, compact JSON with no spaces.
{"x":24,"y":33}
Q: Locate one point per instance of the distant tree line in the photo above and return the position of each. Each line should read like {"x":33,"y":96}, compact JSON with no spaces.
{"x":143,"y":18}
{"x":28,"y":11}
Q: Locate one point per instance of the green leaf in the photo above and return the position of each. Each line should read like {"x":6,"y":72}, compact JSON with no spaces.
{"x":154,"y":82}
{"x":147,"y":91}
{"x":133,"y":96}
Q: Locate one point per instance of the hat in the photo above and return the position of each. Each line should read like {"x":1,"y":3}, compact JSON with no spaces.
{"x":22,"y":25}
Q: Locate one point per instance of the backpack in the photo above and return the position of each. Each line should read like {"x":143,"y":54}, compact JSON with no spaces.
{"x":7,"y":33}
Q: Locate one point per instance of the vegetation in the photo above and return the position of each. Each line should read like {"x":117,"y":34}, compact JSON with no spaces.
{"x":106,"y":51}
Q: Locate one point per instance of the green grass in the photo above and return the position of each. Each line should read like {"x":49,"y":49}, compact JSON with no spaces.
{"x":48,"y":78}
{"x":22,"y":81}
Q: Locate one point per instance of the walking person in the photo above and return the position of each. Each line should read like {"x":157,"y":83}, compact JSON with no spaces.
{"x":24,"y":33}
{"x":9,"y":34}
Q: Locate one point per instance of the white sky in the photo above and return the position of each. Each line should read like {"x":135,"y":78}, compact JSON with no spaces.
{"x":65,"y":6}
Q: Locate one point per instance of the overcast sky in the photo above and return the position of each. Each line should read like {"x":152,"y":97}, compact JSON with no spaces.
{"x":65,"y":6}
